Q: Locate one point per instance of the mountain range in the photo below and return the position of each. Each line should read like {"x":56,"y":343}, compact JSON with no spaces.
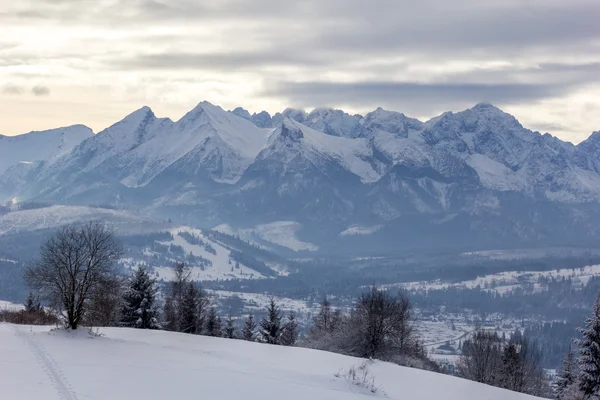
{"x":382,"y":182}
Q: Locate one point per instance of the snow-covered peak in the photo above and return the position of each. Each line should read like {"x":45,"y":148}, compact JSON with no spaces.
{"x":291,"y":113}
{"x":334,"y":122}
{"x":242,"y":112}
{"x":482,"y":122}
{"x":290,"y":130}
{"x":389,"y":121}
{"x":592,"y":141}
{"x":40,"y":145}
{"x":293,"y":138}
{"x":240,"y":134}
{"x":262,"y":119}
{"x":130,"y":126}
{"x":295,"y":114}
{"x":135,"y":129}
{"x":136,"y":117}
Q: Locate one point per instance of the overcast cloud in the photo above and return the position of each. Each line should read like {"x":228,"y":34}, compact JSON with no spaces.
{"x":94,"y":61}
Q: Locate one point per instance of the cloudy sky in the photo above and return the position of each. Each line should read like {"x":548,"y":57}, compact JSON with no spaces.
{"x":94,"y":61}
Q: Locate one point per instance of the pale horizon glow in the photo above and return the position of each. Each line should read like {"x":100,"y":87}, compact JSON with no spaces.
{"x":92,"y":62}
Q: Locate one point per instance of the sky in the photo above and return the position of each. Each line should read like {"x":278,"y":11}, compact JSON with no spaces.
{"x":92,"y":62}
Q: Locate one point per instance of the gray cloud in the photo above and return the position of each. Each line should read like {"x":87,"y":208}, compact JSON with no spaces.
{"x":414,"y":98}
{"x":548,"y":127}
{"x":426,"y":56}
{"x":220,"y":61}
{"x":347,"y":25}
{"x":12,"y":89}
{"x":40,"y":90}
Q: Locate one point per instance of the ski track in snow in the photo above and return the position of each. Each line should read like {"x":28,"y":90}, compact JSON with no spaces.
{"x":50,"y":366}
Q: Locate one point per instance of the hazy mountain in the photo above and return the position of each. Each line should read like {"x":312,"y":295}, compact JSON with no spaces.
{"x":382,"y":181}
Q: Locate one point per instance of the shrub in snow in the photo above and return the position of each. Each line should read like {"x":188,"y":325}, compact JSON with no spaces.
{"x":360,"y":376}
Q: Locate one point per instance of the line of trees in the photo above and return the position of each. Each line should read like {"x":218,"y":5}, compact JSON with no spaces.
{"x":379,"y":326}
{"x":187,"y":309}
{"x":76,"y":275}
{"x":514,"y":364}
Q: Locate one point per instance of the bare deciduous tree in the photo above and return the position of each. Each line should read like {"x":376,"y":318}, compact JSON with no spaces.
{"x":480,"y":361}
{"x":73,"y":263}
{"x":383,"y":324}
{"x":514,"y":365}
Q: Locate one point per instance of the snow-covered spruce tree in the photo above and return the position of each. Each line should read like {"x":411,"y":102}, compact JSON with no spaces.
{"x":589,"y":356}
{"x":249,"y":328}
{"x":511,"y":373}
{"x":270,"y":326}
{"x":289,"y":333}
{"x":229,"y":331}
{"x":566,"y":377}
{"x":138,"y":302}
{"x":188,"y":309}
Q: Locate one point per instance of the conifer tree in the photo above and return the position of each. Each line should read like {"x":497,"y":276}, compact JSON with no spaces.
{"x":213,"y":323}
{"x":589,"y":356}
{"x":289,"y":333}
{"x":229,"y":327}
{"x":32,"y":303}
{"x":188,"y":309}
{"x":270,"y":326}
{"x":566,"y":378}
{"x":138,"y":309}
{"x":249,"y":327}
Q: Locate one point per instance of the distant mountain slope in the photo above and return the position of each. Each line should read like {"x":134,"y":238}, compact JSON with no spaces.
{"x":146,"y":241}
{"x":469,"y":179}
{"x":151,"y":365}
{"x":40,"y":146}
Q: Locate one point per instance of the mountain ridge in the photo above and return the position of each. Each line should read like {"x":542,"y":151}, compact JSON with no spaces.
{"x":328,"y":167}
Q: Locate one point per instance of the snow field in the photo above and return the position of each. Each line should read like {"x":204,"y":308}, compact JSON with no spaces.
{"x":128,"y":364}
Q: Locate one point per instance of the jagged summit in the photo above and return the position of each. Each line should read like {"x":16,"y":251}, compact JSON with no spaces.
{"x":241,"y":112}
{"x":290,"y":130}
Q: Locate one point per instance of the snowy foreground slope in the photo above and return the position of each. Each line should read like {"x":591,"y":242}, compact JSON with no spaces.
{"x":129,"y":364}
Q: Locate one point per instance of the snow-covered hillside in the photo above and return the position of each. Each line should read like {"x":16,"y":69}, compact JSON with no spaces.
{"x":220,"y":264}
{"x":509,"y":281}
{"x":40,"y":146}
{"x":281,"y":233}
{"x":127,"y":364}
{"x":55,"y":216}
